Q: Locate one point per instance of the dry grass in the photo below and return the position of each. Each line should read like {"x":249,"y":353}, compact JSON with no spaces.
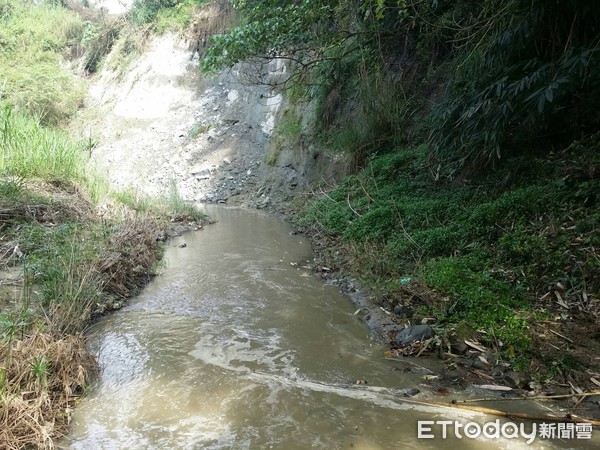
{"x":41,"y":201}
{"x":131,"y":252}
{"x":41,"y":377}
{"x":81,"y":272}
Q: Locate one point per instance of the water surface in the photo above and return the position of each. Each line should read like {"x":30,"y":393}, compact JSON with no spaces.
{"x":236,"y":345}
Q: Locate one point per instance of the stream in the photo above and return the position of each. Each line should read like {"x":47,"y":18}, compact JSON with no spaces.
{"x":237,"y":345}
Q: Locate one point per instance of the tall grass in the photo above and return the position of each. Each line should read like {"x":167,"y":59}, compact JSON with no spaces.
{"x":34,"y":43}
{"x":179,"y":209}
{"x":30,"y":150}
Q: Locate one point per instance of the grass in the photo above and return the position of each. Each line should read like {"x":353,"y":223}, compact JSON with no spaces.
{"x":75,"y":267}
{"x":482,"y":250}
{"x":31,"y":150}
{"x":75,"y":264}
{"x":171,"y":206}
{"x":164,"y":16}
{"x":179,"y":210}
{"x":34,"y":42}
{"x":39,"y":385}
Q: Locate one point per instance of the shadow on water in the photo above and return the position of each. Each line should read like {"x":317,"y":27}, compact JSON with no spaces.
{"x":236,"y":345}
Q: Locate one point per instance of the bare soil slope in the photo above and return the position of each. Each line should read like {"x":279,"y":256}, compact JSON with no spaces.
{"x":162,"y":122}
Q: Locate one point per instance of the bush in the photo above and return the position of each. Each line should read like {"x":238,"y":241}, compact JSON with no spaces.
{"x":528,"y":71}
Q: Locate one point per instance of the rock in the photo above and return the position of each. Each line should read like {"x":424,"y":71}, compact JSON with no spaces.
{"x":226,"y":160}
{"x":515,"y":380}
{"x":459,"y":348}
{"x":182,"y":245}
{"x":411,"y":392}
{"x":497,"y":373}
{"x":413,"y":333}
{"x":592,"y":400}
{"x":201,"y":172}
{"x":478,"y":364}
{"x":452,"y":375}
{"x":404,"y":312}
{"x":464,"y":331}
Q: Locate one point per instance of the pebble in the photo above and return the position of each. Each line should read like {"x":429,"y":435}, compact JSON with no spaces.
{"x":411,"y":392}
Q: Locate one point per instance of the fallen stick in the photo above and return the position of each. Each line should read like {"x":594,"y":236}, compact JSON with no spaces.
{"x":537,"y":397}
{"x":561,"y":336}
{"x":525,"y":416}
{"x":568,"y":417}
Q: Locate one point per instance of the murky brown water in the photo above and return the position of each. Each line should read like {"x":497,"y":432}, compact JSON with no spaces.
{"x":234,"y":347}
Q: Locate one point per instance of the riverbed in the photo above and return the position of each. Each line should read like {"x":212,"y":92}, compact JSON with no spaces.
{"x":238,"y":345}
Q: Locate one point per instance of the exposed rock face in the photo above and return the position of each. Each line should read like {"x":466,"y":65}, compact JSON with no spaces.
{"x":210,"y":137}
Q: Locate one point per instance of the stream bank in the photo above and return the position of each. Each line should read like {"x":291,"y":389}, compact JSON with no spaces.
{"x":215,"y":141}
{"x":238,"y":345}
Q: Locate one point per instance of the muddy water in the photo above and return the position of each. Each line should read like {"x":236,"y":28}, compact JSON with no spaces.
{"x":236,"y":347}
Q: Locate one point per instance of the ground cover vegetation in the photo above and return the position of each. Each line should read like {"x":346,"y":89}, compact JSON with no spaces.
{"x":70,"y":247}
{"x":471,"y":133}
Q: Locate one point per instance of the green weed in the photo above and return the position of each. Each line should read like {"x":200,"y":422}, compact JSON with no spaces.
{"x":199,"y":129}
{"x":164,"y":15}
{"x":181,"y":210}
{"x":134,"y":200}
{"x":30,"y":150}
{"x":290,"y":127}
{"x":492,"y":245}
{"x":32,"y":72}
{"x":40,"y":367}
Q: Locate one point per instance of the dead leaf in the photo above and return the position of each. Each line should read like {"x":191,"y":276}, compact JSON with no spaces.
{"x":442,"y":391}
{"x":482,"y":375}
{"x":578,"y":390}
{"x":483,"y":360}
{"x":424,"y":347}
{"x":476,"y":345}
{"x":560,"y":300}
